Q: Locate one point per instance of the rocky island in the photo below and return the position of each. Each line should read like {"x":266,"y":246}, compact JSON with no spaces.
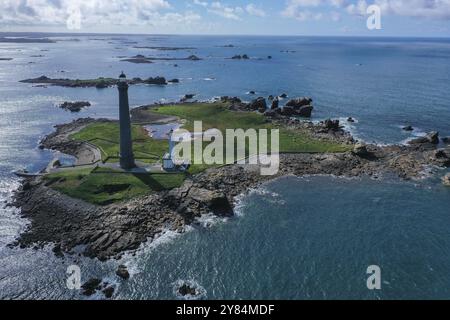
{"x":143,"y":59}
{"x":165,"y":48}
{"x":74,"y":106}
{"x":99,"y":83}
{"x":109,"y":213}
{"x":25,"y":40}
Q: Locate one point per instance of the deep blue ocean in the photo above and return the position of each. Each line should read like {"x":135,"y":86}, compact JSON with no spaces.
{"x":294,"y":238}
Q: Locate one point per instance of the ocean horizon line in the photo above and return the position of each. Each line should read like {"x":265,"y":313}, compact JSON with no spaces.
{"x":222,"y":35}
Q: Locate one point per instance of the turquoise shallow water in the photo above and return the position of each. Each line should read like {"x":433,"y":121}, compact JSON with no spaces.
{"x":295,"y":238}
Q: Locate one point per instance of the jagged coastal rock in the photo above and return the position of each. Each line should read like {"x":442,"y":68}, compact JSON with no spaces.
{"x":432,"y":137}
{"x":188,"y":96}
{"x":299,"y":102}
{"x":259,"y":104}
{"x":300,"y":107}
{"x":232,"y":100}
{"x":93,"y":285}
{"x":122,"y":272}
{"x":408,"y":128}
{"x":275,"y":104}
{"x":360,"y":150}
{"x":186,"y":290}
{"x":329,"y":124}
{"x":108,"y":292}
{"x":305,"y":111}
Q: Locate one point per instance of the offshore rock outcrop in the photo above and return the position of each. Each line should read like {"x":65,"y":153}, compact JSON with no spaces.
{"x":74,"y":106}
{"x":240,"y":57}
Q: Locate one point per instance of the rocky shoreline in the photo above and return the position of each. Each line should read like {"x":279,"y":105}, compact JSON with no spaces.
{"x":60,"y":141}
{"x":109,"y":231}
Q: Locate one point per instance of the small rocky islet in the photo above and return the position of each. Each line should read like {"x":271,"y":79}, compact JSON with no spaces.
{"x":95,"y":285}
{"x":76,"y":106}
{"x":240,"y":57}
{"x":110,"y":230}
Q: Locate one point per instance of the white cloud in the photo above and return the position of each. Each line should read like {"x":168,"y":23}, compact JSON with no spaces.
{"x":296,"y":9}
{"x":417,"y":8}
{"x":161,"y":12}
{"x":201,"y":3}
{"x":230,"y":12}
{"x":335,"y":16}
{"x":93,"y":12}
{"x":301,"y":9}
{"x":225,"y":11}
{"x":254,"y":10}
{"x":359,"y":8}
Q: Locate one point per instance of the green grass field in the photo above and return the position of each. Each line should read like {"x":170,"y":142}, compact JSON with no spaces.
{"x":103,"y":186}
{"x":106,"y":136}
{"x":218,"y":116}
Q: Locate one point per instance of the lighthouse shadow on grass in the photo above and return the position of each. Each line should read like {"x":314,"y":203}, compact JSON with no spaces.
{"x":103,"y":186}
{"x":150,"y":181}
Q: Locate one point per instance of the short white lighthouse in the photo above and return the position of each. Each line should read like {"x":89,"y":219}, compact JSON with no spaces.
{"x":168,"y":163}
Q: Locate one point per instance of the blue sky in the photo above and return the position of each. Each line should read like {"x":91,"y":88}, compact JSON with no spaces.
{"x":264,"y":17}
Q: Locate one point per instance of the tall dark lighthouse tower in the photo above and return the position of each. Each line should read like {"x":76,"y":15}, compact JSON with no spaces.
{"x":126,"y":143}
